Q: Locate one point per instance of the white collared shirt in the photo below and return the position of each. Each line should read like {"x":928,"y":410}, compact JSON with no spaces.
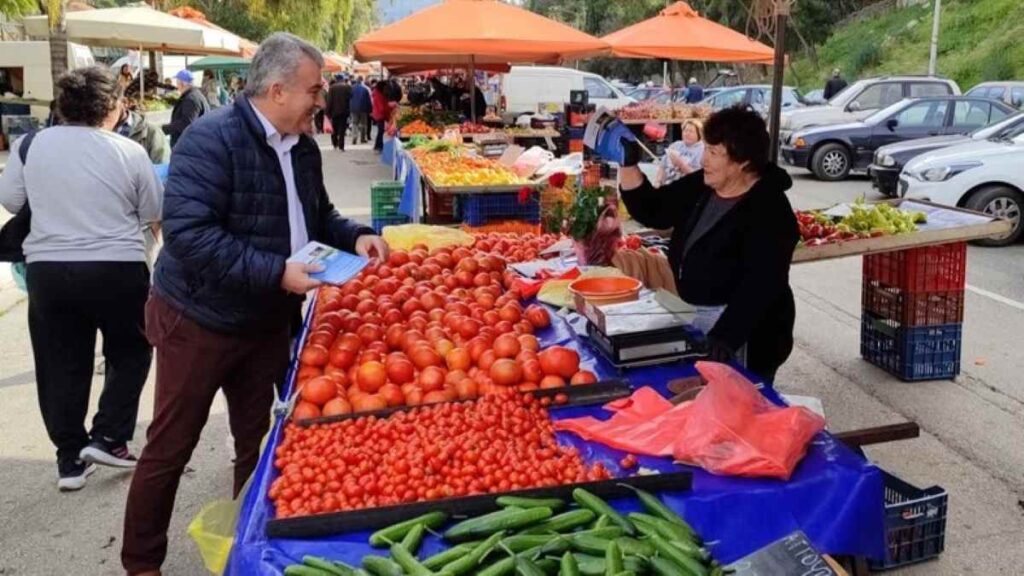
{"x":283,"y":146}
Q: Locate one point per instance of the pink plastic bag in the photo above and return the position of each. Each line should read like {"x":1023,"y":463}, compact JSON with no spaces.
{"x":730,"y":429}
{"x":733,"y":430}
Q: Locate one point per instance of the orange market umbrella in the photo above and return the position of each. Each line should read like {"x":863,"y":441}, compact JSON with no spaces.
{"x":478,"y":32}
{"x":680,"y":33}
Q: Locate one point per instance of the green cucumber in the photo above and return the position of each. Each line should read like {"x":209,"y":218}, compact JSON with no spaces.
{"x":336,"y":568}
{"x":634,"y":547}
{"x":625,"y":573}
{"x":438,"y":560}
{"x":595,"y":566}
{"x":414,"y":538}
{"x":564,"y":522}
{"x":523,"y":542}
{"x":608,"y":532}
{"x":408,"y":562}
{"x":613,"y":560}
{"x":602,"y":521}
{"x":681,"y":559}
{"x":664,"y":567}
{"x":568,"y":565}
{"x":394,"y":533}
{"x":589,"y":544}
{"x":656,"y":507}
{"x":526,"y":567}
{"x":381,"y":566}
{"x":473,"y":559}
{"x":304,"y":570}
{"x":520,"y":502}
{"x":548,"y":566}
{"x":599,"y":506}
{"x":502,"y":567}
{"x":485,"y":526}
{"x":670,"y":530}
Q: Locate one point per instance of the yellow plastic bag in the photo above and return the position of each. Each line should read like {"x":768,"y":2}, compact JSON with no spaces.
{"x":556,"y":292}
{"x":213,"y":531}
{"x":405,"y":236}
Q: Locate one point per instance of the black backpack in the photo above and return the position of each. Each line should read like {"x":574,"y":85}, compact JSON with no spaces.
{"x":14,"y":232}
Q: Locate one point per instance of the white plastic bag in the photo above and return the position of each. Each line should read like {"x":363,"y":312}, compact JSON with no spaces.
{"x":531,"y":161}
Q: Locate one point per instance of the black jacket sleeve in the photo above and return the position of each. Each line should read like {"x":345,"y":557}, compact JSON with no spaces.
{"x":665,"y":207}
{"x":185,"y":112}
{"x":767,"y":254}
{"x":336,"y":230}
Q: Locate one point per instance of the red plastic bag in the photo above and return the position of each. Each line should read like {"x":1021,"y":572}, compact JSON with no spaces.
{"x":730,"y":429}
{"x":733,"y":430}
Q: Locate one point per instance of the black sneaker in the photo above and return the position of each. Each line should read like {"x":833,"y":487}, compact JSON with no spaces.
{"x":106,"y":454}
{"x":72,"y":474}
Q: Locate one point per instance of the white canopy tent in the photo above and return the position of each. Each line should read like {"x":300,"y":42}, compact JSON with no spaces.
{"x":140,"y":28}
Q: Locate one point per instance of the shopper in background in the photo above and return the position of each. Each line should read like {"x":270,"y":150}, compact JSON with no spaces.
{"x":694,"y":91}
{"x":91,"y":193}
{"x":733,"y":236}
{"x":682,"y":157}
{"x":133,"y":125}
{"x":245,"y":192}
{"x":360,"y":107}
{"x":124,"y":77}
{"x":381,"y":110}
{"x":318,"y":118}
{"x":191,"y":105}
{"x":834,"y":85}
{"x":339,"y":98}
{"x":211,"y":89}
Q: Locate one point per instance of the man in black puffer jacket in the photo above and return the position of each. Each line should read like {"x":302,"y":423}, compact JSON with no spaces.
{"x":245,"y":191}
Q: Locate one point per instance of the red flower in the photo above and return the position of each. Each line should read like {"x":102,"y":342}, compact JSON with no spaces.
{"x":524,"y":194}
{"x":557,"y":180}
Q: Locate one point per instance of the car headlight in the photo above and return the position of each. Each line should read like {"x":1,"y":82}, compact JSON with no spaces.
{"x":886,"y":161}
{"x":943,"y":173}
{"x":799,"y":142}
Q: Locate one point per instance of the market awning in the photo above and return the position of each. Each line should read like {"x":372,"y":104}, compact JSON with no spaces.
{"x":456,"y":32}
{"x":230,"y":63}
{"x":248,"y":47}
{"x":334,"y":62}
{"x":140,"y":27}
{"x":680,"y":33}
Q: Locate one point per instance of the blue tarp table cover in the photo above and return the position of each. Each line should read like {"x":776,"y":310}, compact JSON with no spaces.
{"x":835,"y":496}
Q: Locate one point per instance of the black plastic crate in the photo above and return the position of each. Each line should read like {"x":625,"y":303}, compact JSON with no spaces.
{"x":385,"y":196}
{"x":911,"y":353}
{"x":915,"y":523}
{"x":479,"y":209}
{"x":378,"y":224}
{"x":913,"y":308}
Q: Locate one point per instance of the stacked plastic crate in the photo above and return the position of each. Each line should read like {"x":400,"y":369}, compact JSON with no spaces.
{"x":480,"y":209}
{"x":913,"y":311}
{"x":385,"y":196}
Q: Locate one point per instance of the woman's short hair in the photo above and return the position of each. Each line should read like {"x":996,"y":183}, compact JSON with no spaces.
{"x":87,"y":95}
{"x":743,"y":133}
{"x":696,"y":126}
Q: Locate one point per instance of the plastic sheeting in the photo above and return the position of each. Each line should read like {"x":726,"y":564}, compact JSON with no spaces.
{"x":834,"y":496}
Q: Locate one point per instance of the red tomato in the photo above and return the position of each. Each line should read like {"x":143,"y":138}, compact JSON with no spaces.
{"x":582,"y":378}
{"x":559,"y":361}
{"x":371,"y":376}
{"x":305,"y":411}
{"x":337,"y":406}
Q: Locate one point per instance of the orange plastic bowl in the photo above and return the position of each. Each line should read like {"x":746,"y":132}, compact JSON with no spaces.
{"x":610,"y":290}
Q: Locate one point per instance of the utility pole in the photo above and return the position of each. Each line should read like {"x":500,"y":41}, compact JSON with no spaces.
{"x":932,"y":60}
{"x":664,"y":68}
{"x":782,"y":10}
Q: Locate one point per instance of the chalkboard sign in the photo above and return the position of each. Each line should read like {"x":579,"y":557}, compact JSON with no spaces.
{"x":790,"y":556}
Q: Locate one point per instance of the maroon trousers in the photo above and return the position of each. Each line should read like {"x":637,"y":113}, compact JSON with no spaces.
{"x":192,"y":363}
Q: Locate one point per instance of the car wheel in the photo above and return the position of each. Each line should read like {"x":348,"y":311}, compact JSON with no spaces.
{"x":831,"y":162}
{"x":1002,"y":202}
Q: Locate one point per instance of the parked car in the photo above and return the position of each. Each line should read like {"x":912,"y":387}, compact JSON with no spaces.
{"x":525,"y":87}
{"x":626,"y":87}
{"x":890,"y":159}
{"x":757,"y":96}
{"x":1010,"y":92}
{"x":815,"y":98}
{"x":983,"y":175}
{"x":832,"y":152}
{"x":863,"y":98}
{"x":643,"y":93}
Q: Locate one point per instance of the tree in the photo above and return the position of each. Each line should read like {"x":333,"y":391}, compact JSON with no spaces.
{"x":15,"y":9}
{"x":55,"y":11}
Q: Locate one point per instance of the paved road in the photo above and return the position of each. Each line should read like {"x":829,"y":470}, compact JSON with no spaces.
{"x":971,"y":445}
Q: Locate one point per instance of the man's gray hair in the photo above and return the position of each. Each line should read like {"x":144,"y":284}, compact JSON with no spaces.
{"x":276,"y":61}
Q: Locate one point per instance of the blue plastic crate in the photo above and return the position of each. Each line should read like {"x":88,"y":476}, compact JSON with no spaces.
{"x":915,"y":523}
{"x":479,"y":209}
{"x":911,"y":353}
{"x":378,"y":224}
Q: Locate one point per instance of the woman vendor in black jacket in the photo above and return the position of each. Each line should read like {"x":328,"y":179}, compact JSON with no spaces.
{"x":733,"y":238}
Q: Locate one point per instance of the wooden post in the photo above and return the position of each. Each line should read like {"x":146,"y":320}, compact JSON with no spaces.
{"x":472,"y":88}
{"x":782,"y":8}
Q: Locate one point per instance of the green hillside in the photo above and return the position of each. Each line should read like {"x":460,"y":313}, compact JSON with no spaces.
{"x":979,"y":40}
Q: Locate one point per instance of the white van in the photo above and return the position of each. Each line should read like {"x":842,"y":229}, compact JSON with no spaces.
{"x":525,"y":87}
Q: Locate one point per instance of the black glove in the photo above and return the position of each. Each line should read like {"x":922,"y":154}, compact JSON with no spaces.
{"x":719,"y":351}
{"x":630,"y":153}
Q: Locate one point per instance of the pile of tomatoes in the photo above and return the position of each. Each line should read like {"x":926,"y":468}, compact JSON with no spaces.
{"x":495,"y":444}
{"x":515,"y":248}
{"x":422,"y":328}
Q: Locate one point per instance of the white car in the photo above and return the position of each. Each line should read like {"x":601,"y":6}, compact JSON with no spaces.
{"x":984,"y":176}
